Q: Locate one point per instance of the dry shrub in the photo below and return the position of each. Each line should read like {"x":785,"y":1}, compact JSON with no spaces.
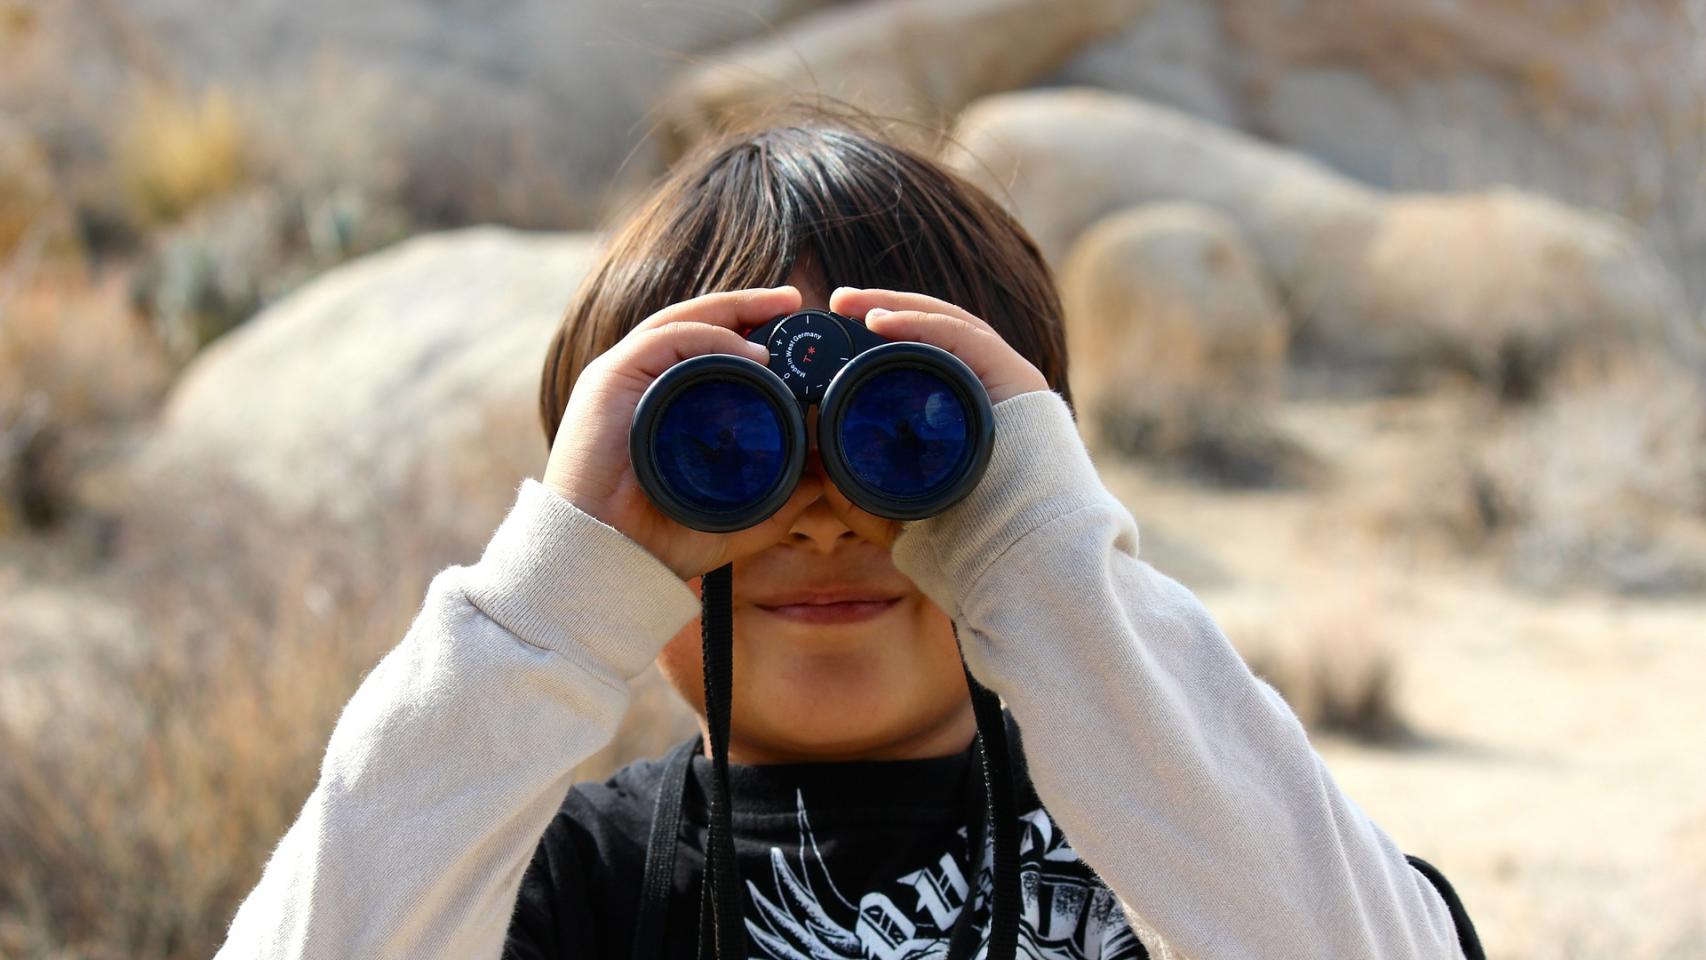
{"x":1604,"y":484}
{"x":1598,"y":485}
{"x":1221,"y":445}
{"x":140,"y":799}
{"x":320,"y":189}
{"x":141,"y":796}
{"x":176,"y":151}
{"x":145,"y":779}
{"x":33,"y":214}
{"x":74,"y":369}
{"x":1336,"y":669}
{"x":72,"y":337}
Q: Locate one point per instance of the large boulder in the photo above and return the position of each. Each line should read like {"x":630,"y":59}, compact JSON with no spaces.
{"x":1177,"y":55}
{"x":1178,"y":344}
{"x":1168,"y":310}
{"x":404,"y":381}
{"x":1395,"y":285}
{"x":1578,"y":101}
{"x":915,"y":63}
{"x":1505,"y":284}
{"x":1063,"y":158}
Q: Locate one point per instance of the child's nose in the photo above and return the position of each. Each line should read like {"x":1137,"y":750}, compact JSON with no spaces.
{"x":818,"y":525}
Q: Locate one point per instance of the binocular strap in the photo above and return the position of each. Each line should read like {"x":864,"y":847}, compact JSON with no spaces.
{"x":722,"y":921}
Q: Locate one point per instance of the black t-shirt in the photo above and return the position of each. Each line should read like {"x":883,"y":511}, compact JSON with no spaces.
{"x":838,"y":860}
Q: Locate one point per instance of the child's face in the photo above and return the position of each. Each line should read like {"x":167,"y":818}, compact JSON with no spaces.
{"x":877,"y":677}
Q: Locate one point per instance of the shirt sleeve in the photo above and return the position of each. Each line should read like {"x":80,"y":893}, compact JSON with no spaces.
{"x":1184,"y":780}
{"x":451,"y":758}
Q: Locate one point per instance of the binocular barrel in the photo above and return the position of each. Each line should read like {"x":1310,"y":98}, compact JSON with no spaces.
{"x":904,"y":429}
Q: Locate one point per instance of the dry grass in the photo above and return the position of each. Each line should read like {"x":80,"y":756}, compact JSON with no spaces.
{"x":74,"y":339}
{"x":1604,"y":484}
{"x":1599,"y":485}
{"x":1333,"y":663}
{"x":31,"y":211}
{"x":143,"y":785}
{"x":175,"y":152}
{"x":145,"y":777}
{"x":75,"y":368}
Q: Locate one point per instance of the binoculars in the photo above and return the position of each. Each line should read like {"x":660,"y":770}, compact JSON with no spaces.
{"x":904,"y":429}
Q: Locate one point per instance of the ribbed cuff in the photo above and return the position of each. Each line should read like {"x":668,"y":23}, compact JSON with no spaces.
{"x":1039,"y":470}
{"x":562,"y":580}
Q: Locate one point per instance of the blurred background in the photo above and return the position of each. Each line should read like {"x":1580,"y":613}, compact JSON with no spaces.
{"x":1387,"y":322}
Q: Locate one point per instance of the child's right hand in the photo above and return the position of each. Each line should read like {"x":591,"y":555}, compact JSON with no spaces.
{"x":589,"y":463}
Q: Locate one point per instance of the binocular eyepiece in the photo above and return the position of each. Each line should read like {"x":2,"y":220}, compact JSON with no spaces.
{"x":904,"y":429}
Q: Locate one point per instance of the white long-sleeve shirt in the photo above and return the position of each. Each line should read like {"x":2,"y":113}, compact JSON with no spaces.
{"x":1184,"y":780}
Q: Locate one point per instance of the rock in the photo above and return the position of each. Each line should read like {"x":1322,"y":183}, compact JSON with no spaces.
{"x":1395,"y":286}
{"x":1167,"y":307}
{"x":1066,"y":157}
{"x":1348,"y":121}
{"x":1507,"y":285}
{"x":1178,"y":343}
{"x":1574,"y":101}
{"x":911,"y":62}
{"x":404,"y":381}
{"x":1175,"y":55}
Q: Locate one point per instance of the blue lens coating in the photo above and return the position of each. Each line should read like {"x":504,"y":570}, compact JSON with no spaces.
{"x":719,"y":445}
{"x":905,"y":433}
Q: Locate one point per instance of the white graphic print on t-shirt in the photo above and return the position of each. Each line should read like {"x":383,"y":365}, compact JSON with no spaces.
{"x":1066,"y":914}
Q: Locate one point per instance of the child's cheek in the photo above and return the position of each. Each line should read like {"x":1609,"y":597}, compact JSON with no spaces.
{"x":682,"y":665}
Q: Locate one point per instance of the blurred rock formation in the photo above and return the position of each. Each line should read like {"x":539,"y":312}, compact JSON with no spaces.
{"x":1178,"y":339}
{"x":915,"y":64}
{"x":1597,"y":103}
{"x":410,"y":377}
{"x":1502,"y":285}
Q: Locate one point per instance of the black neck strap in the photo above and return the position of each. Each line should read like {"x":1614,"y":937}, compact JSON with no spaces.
{"x":716,"y":635}
{"x":722,"y":920}
{"x":661,"y":847}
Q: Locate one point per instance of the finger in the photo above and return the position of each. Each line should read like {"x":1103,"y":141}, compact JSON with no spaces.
{"x":1002,"y":370}
{"x":735,"y":309}
{"x":856,"y":302}
{"x":654,"y":351}
{"x":978,"y":347}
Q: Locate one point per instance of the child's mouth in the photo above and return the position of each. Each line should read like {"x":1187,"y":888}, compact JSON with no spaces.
{"x":829,"y":609}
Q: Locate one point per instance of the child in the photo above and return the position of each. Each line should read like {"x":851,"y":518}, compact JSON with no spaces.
{"x":1168,"y":801}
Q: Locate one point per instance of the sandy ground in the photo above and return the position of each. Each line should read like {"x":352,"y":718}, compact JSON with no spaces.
{"x":1558,"y":776}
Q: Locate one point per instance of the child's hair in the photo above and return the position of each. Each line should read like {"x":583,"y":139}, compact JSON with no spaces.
{"x":861,"y":211}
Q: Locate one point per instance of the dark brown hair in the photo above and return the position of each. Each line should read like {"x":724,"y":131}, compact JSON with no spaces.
{"x":861,"y":211}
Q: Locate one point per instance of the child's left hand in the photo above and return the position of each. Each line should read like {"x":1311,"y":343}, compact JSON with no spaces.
{"x":916,"y":316}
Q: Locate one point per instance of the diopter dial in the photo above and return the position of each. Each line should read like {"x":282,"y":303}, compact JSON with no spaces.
{"x":806,"y":350}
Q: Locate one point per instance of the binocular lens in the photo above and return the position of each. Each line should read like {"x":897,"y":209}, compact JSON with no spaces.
{"x":904,"y":430}
{"x":719,"y":445}
{"x":905,"y":433}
